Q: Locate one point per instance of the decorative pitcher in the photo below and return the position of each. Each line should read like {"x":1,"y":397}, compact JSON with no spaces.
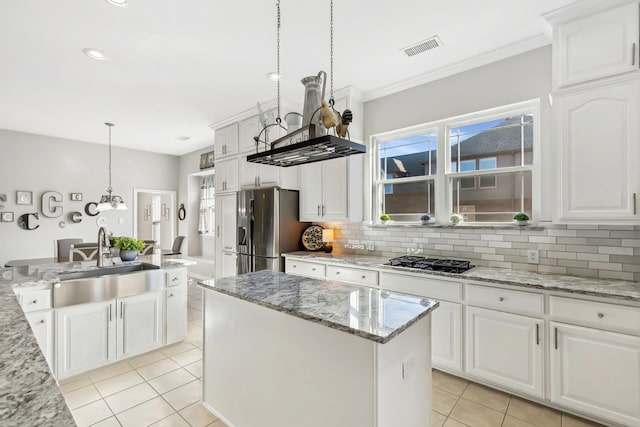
{"x":312,"y":99}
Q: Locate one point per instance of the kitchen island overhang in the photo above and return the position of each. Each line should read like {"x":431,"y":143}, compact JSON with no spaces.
{"x":283,"y":350}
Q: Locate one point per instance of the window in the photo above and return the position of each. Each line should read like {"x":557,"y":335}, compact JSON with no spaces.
{"x":488,"y":173}
{"x":206,"y":223}
{"x":405,"y":171}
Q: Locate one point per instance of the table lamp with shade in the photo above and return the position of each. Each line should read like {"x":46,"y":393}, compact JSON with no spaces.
{"x":327,"y":238}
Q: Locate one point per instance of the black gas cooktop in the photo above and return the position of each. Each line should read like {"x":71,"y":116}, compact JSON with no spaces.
{"x":434,"y":264}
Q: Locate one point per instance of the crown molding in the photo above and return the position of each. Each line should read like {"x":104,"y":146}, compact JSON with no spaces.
{"x":580,"y":9}
{"x":458,"y":67}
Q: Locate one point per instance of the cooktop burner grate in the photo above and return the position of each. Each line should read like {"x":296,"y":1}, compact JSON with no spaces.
{"x":435,"y":264}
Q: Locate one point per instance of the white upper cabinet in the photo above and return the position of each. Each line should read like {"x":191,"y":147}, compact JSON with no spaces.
{"x":247,"y":130}
{"x":331,"y":190}
{"x":226,"y":175}
{"x":597,"y":138}
{"x":226,"y":141}
{"x":599,"y":45}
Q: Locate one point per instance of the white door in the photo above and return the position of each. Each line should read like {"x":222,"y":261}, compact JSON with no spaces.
{"x":225,"y":141}
{"x":446,"y":336}
{"x":41,"y":323}
{"x":248,"y":174}
{"x":335,"y":190}
{"x":139,"y":323}
{"x":601,"y":45}
{"x":85,"y":337}
{"x":598,"y":139}
{"x":176,"y":318}
{"x":311,"y":192}
{"x":505,"y":349}
{"x":596,"y":372}
{"x":269,"y":176}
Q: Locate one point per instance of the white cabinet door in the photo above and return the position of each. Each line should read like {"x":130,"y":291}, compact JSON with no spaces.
{"x":41,"y":323}
{"x":597,"y":131}
{"x":311,"y":192}
{"x":226,"y":141}
{"x":600,"y":45}
{"x":228,"y":264}
{"x":228,"y":224}
{"x":335,"y":190}
{"x":226,"y":175}
{"x":446,"y":336}
{"x":249,"y":173}
{"x":596,"y":371}
{"x":505,"y":349}
{"x":247,"y":130}
{"x":176,"y":314}
{"x":85,"y":337}
{"x":140,"y":325}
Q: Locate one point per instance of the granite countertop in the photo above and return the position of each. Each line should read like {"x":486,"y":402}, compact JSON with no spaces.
{"x":29,"y":394}
{"x":370,"y":313}
{"x":616,"y":289}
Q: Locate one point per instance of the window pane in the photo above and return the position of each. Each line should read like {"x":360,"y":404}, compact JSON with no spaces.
{"x":488,"y":163}
{"x":411,"y":156}
{"x":509,"y":141}
{"x":510,"y":194}
{"x":408,"y":200}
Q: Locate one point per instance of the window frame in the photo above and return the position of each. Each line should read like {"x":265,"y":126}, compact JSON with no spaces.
{"x":443,"y":179}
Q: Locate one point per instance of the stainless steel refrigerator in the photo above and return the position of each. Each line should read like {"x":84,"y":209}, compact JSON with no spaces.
{"x":268,"y":226}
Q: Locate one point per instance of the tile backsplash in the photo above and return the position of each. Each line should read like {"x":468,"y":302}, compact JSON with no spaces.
{"x":599,"y":251}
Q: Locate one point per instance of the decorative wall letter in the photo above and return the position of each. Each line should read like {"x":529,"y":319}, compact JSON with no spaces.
{"x":48,"y":208}
{"x":25,"y":219}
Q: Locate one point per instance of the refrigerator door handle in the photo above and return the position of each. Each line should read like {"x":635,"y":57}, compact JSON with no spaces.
{"x":242,"y":236}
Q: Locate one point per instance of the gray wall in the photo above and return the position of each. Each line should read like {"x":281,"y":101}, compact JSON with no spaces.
{"x":41,"y":163}
{"x":519,"y":78}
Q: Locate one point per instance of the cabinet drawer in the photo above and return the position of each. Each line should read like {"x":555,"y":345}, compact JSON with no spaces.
{"x":176,"y":277}
{"x":357,"y":276}
{"x":36,"y":300}
{"x":421,"y":286}
{"x":506,"y":300}
{"x":305,"y":268}
{"x":598,"y":314}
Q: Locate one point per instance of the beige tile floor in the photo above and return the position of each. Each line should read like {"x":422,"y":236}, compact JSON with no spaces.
{"x":457,"y":402}
{"x":162,"y":388}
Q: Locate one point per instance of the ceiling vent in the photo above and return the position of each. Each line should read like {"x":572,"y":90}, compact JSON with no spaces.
{"x":423,"y":46}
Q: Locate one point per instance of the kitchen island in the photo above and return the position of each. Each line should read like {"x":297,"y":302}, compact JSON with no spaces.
{"x":282,"y":350}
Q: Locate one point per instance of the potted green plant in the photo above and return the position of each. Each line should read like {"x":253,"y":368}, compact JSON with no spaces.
{"x":384,"y":218}
{"x":424,"y":219}
{"x":521,"y":218}
{"x":129,"y":247}
{"x":456,"y":219}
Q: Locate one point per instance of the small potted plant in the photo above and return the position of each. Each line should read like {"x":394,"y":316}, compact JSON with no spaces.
{"x":456,"y":219}
{"x":129,"y":247}
{"x":424,"y":219}
{"x":521,"y":218}
{"x":384,"y":218}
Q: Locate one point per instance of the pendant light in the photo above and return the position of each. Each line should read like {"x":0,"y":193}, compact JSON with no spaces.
{"x":109,"y":201}
{"x":314,"y":149}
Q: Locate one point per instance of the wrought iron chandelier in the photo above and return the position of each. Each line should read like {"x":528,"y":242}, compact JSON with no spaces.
{"x":110,"y":201}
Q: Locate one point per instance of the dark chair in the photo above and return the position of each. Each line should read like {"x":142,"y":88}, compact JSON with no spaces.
{"x":149,"y":247}
{"x":62,"y":248}
{"x":83,"y":252}
{"x":176,"y":249}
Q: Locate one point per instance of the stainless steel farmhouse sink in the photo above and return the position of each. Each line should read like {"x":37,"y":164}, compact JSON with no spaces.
{"x":106,"y":283}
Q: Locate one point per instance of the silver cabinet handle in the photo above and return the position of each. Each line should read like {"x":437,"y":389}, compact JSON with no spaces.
{"x":294,"y":266}
{"x":42,"y":321}
{"x":318,"y":210}
{"x":363,"y":277}
{"x":35,"y":301}
{"x":633,"y":54}
{"x":174,"y":279}
{"x":259,"y":183}
{"x":170,"y":295}
{"x":313,"y":269}
{"x":121,"y":310}
{"x":337,"y":272}
{"x":556,"y":337}
{"x":109,"y":312}
{"x":601,"y":315}
{"x":501,"y":299}
{"x":218,"y":231}
{"x":635,"y":204}
{"x":323,"y":210}
{"x":537,"y":333}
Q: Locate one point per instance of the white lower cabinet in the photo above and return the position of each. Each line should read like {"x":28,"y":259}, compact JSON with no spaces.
{"x":92,"y":335}
{"x":41,"y":323}
{"x":228,"y":266}
{"x":176,"y":314}
{"x":85,"y":337}
{"x":139,"y":324}
{"x":505,"y":349}
{"x":446,"y":339}
{"x":596,"y":371}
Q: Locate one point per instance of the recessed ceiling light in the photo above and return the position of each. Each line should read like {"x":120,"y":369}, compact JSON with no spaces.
{"x":183,"y":138}
{"x":274,"y":76}
{"x":119,"y":3}
{"x":94,"y":54}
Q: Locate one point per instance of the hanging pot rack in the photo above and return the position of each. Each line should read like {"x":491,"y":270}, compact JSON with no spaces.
{"x":302,"y":146}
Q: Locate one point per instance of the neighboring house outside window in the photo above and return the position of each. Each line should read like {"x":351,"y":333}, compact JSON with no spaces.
{"x":488,"y":174}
